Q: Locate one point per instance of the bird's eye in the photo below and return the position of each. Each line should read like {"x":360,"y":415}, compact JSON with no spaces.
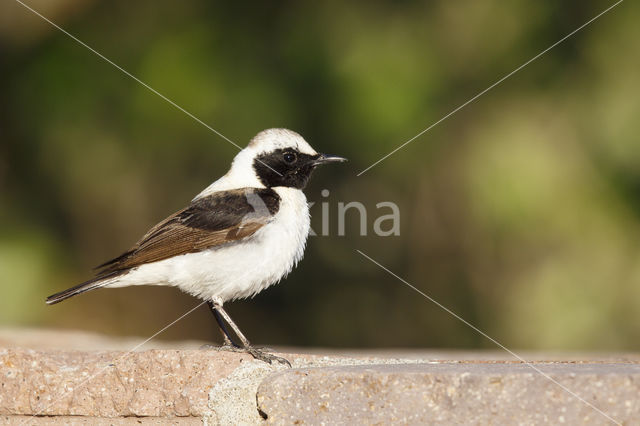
{"x":290,"y":157}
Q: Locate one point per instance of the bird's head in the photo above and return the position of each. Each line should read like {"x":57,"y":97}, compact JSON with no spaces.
{"x":280,"y":157}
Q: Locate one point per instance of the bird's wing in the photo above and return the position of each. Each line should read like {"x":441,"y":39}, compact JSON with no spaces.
{"x":211,"y":221}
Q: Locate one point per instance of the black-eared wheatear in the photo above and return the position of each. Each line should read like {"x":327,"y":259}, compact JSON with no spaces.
{"x":243,"y":233}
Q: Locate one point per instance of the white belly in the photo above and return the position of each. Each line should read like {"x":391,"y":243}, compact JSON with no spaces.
{"x":238,"y":270}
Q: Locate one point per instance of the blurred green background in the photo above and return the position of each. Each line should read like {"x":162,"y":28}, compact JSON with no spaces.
{"x":521,"y":212}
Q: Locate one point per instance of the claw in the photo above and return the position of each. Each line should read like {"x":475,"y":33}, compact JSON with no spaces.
{"x":264,"y":356}
{"x":261,"y":354}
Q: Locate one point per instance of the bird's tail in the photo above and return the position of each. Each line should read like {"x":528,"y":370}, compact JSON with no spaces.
{"x":97,"y":282}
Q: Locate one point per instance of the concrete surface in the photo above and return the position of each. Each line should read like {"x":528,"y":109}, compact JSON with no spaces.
{"x":165,"y":383}
{"x":79,"y":378}
{"x":97,"y":421}
{"x":457,"y":393}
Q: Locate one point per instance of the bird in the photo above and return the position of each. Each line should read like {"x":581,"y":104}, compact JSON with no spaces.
{"x":243,"y":233}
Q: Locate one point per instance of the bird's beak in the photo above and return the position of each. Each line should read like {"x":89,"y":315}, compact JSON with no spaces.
{"x":326,"y":158}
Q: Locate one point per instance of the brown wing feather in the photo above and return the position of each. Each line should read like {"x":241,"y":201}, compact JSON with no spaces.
{"x":211,"y":222}
{"x":175,"y":239}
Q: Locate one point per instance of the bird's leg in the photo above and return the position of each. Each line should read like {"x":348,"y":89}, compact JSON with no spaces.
{"x":260,"y":354}
{"x":228,"y":341}
{"x":227,"y":318}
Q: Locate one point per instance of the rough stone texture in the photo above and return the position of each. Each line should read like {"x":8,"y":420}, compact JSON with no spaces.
{"x":218,"y":386}
{"x":111,"y":384}
{"x":97,"y":421}
{"x":453,"y":393}
{"x":233,"y":399}
{"x":81,"y":378}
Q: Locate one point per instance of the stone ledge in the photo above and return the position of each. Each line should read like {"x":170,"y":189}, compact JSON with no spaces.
{"x":97,"y":421}
{"x":455,"y":393}
{"x":187,"y":386}
{"x":165,"y":383}
{"x":219,"y":386}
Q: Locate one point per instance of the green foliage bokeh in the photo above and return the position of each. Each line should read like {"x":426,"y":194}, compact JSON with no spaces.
{"x":520,"y":212}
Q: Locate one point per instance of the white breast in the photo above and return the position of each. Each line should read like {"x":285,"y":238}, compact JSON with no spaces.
{"x":238,"y":270}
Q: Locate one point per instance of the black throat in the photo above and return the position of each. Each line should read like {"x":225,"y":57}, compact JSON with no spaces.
{"x":276,"y":168}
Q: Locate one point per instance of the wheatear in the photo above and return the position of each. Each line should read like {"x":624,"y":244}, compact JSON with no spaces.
{"x":243,"y":233}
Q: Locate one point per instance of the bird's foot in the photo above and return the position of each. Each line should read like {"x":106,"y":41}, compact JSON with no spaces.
{"x":263,"y":354}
